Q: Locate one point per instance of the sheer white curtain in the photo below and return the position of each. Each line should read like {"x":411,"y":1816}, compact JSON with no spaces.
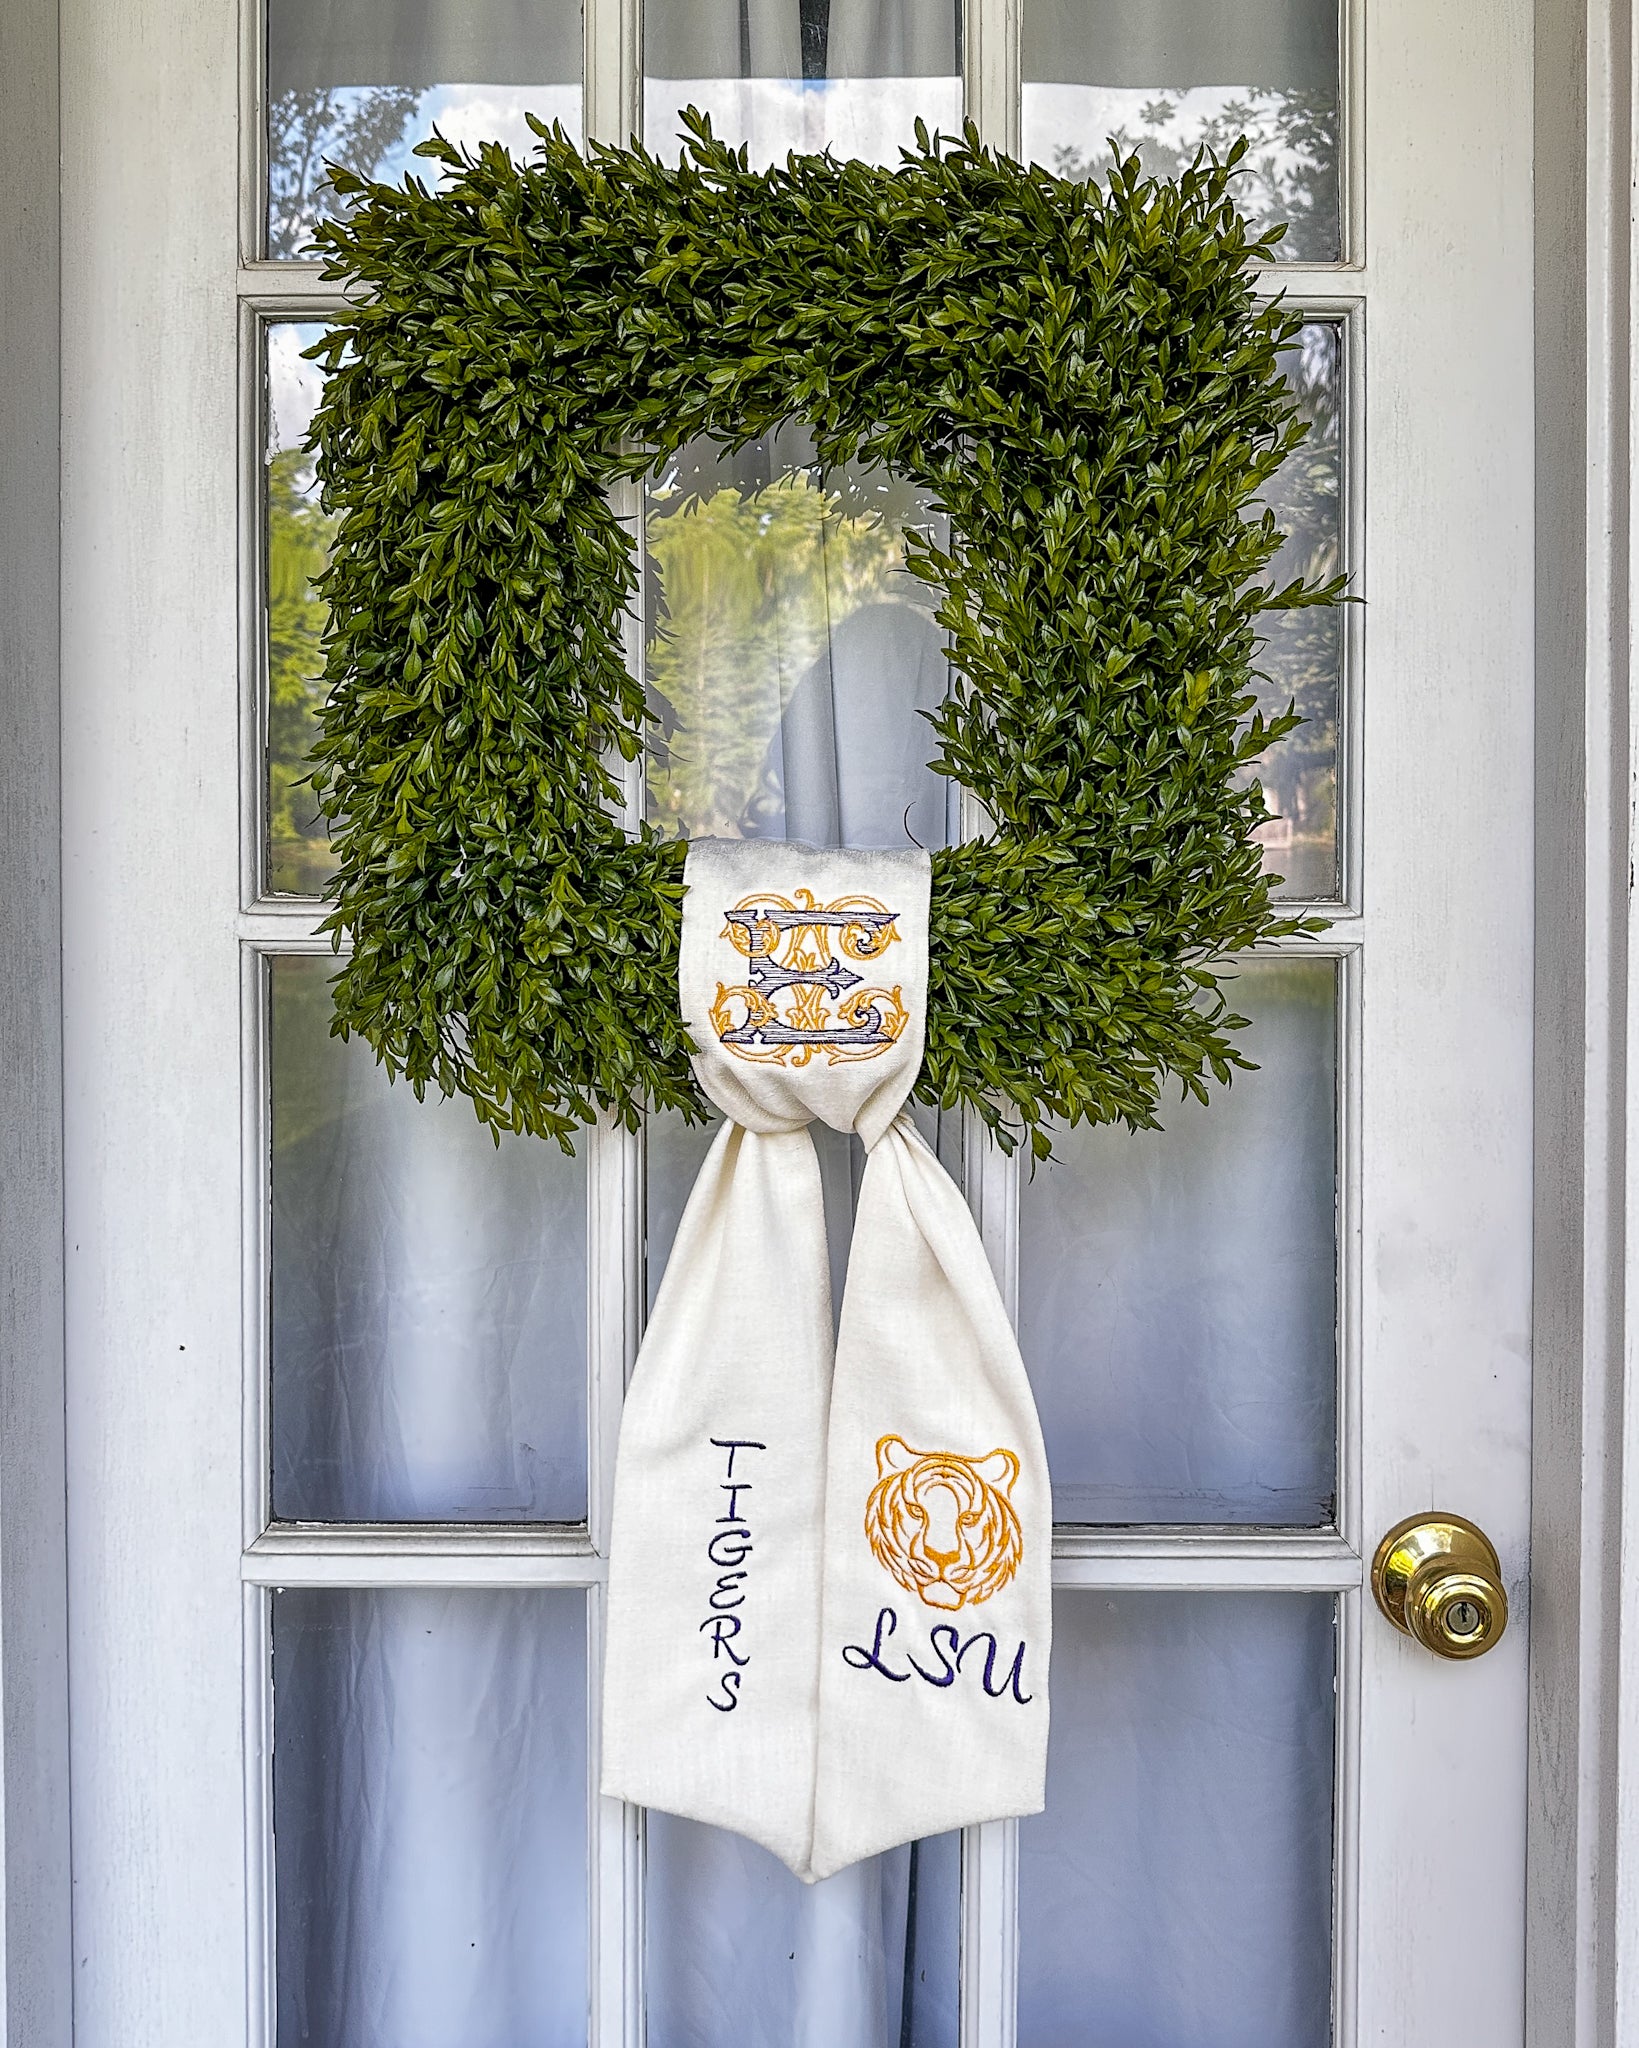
{"x":430,"y":1747}
{"x":429,"y":1295}
{"x":429,"y":1813}
{"x":1177,"y":1891}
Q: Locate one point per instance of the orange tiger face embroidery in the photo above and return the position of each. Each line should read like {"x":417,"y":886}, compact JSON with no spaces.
{"x":942,"y":1525}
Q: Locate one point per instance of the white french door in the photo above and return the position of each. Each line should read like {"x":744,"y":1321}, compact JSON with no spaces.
{"x":344,"y":1381}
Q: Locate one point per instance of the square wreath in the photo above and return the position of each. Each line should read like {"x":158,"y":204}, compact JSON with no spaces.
{"x":1085,"y":380}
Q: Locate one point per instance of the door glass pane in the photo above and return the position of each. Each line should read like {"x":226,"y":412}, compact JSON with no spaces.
{"x":739,"y":1950}
{"x":1168,"y":77}
{"x":852,"y":76}
{"x":790,"y":653}
{"x":298,"y":548}
{"x":429,"y":1294}
{"x":360,"y":82}
{"x":1177,"y":1891}
{"x":1302,"y":658}
{"x":1178,"y":1289}
{"x":429,"y":1818}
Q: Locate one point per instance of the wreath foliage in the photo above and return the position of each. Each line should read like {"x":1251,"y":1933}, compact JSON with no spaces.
{"x":1089,"y":386}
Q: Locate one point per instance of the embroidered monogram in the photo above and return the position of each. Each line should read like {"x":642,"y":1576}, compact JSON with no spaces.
{"x":942,"y":1525}
{"x":782,"y":1011}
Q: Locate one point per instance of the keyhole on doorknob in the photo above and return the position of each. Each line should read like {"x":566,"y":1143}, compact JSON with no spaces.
{"x":1436,"y":1577}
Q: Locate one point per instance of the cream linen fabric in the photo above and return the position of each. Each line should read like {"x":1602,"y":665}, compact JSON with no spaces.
{"x":829,"y":1596}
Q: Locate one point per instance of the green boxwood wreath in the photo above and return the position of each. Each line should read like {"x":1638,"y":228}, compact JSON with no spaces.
{"x":1087,"y":382}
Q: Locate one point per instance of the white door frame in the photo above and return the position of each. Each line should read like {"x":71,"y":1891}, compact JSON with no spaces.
{"x":1583,"y":1938}
{"x":36,"y":1972}
{"x":1583,"y":1984}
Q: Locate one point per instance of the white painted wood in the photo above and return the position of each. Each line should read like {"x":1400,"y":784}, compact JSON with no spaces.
{"x":614,"y":1270}
{"x":990,"y":52}
{"x":427,"y":1554}
{"x":35,"y":1951}
{"x":1583,"y":338}
{"x":1446,"y":995}
{"x":990,"y":1935}
{"x":152,"y":1019}
{"x":615,"y":1876}
{"x":170,"y":1561}
{"x":613,"y":93}
{"x":1623,"y":1941}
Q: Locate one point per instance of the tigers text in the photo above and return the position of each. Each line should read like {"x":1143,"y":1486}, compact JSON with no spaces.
{"x":727,"y":1550}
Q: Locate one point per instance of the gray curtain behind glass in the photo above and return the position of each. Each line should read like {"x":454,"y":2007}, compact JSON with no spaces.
{"x":314,"y":45}
{"x":800,"y":39}
{"x":1290,"y":44}
{"x":854,"y":768}
{"x":1177,"y":1891}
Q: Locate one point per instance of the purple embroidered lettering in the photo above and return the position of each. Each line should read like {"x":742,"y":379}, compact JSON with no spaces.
{"x":950,"y":1670}
{"x":731,"y":1444}
{"x":950,"y":1650}
{"x":730,"y":1682}
{"x":871,"y":1660}
{"x":727,"y":1550}
{"x":1013,"y":1677}
{"x":724,"y":1627}
{"x":739,"y":1538}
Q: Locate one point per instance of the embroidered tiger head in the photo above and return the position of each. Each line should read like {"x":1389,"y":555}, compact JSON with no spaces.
{"x":942,"y":1525}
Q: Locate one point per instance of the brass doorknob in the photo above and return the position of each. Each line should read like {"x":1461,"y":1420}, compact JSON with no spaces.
{"x":1437,"y":1578}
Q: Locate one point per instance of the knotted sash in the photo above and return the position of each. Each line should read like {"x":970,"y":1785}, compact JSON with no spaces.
{"x":829,"y":1583}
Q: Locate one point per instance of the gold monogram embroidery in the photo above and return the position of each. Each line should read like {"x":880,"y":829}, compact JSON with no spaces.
{"x":783,"y":1011}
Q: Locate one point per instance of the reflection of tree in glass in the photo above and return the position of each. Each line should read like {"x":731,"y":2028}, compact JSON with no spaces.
{"x":1303,"y":651}
{"x":298,"y":544}
{"x":358,"y":126}
{"x":751,"y":586}
{"x":1290,"y":171}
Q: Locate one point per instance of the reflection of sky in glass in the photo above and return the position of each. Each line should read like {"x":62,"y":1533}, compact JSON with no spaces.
{"x":469,"y":114}
{"x":294,"y":388}
{"x":1166,"y":78}
{"x":374,"y":130}
{"x":868,"y":118}
{"x":1290,"y":175}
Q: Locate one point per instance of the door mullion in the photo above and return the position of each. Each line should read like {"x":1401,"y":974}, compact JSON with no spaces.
{"x":611,"y":105}
{"x":614,"y":1844}
{"x":990,"y":1852}
{"x":990,"y":67}
{"x":990,"y":1935}
{"x":616,"y":1239}
{"x":614,"y":1280}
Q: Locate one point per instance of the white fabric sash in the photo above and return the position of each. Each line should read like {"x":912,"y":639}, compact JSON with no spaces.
{"x":829,"y":1585}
